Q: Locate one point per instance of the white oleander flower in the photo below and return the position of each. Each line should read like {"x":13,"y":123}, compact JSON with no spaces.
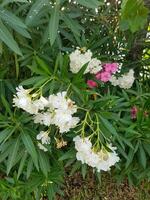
{"x":42,"y":147}
{"x":43,"y":136}
{"x":107,"y":159}
{"x":45,"y":118}
{"x":40,"y":103}
{"x":114,"y":81}
{"x":82,"y":144}
{"x":61,"y":117}
{"x":125,"y":81}
{"x":66,"y":126}
{"x":23,"y":100}
{"x":56,"y":110}
{"x":78,"y":59}
{"x":94,"y":66}
{"x":22,"y":92}
{"x":101,"y":160}
{"x":92,"y":159}
{"x":83,"y":147}
{"x":58,"y":100}
{"x":63,"y":109}
{"x":61,"y":102}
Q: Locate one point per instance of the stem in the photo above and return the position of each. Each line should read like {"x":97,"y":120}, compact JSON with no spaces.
{"x":17,"y":66}
{"x":84,"y":124}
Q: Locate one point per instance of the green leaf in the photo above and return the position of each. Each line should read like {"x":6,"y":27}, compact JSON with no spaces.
{"x":6,"y":133}
{"x":34,"y":11}
{"x":54,"y":23}
{"x":8,"y":39}
{"x":108,"y":125}
{"x":126,"y":141}
{"x":50,"y":192}
{"x":84,"y":170}
{"x":142,"y":156}
{"x":79,"y":76}
{"x":68,"y":155}
{"x":6,"y":105}
{"x":13,"y":154}
{"x":130,"y":158}
{"x":78,"y":92}
{"x":147,"y":148}
{"x":44,"y":163}
{"x":35,"y":181}
{"x":90,"y":3}
{"x":33,"y":80}
{"x":20,"y":30}
{"x":133,"y":15}
{"x":37,"y":70}
{"x":122,"y":152}
{"x":11,"y":18}
{"x":4,"y":155}
{"x":30,"y":147}
{"x":29,"y":167}
{"x":42,"y":65}
{"x":75,"y":167}
{"x":5,"y":2}
{"x":64,"y":65}
{"x":22,"y":163}
{"x":73,"y":25}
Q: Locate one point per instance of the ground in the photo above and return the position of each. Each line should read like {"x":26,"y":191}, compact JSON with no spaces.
{"x":77,"y":188}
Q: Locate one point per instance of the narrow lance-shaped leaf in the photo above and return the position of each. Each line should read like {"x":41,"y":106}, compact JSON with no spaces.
{"x":44,"y":163}
{"x":20,"y":30}
{"x":90,"y":3}
{"x":6,"y":105}
{"x":30,"y":147}
{"x":6,"y":133}
{"x":42,"y":65}
{"x":22,"y":164}
{"x":34,"y":11}
{"x":108,"y":125}
{"x":8,"y":39}
{"x":72,"y":24}
{"x":54,"y":23}
{"x":11,"y":18}
{"x":142,"y":156}
{"x":13,"y":154}
{"x":4,"y":3}
{"x":29,"y":167}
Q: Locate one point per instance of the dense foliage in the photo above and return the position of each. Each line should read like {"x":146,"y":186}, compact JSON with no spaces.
{"x":36,"y":41}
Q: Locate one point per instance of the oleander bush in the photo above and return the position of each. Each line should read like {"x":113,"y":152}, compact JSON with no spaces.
{"x":74,"y":93}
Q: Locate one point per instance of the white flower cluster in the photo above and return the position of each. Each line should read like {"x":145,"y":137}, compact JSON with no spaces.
{"x":59,"y":112}
{"x":54,"y":110}
{"x":101,"y":160}
{"x":125,"y":81}
{"x":43,"y":136}
{"x":45,"y":139}
{"x":23,"y":100}
{"x":78,"y":59}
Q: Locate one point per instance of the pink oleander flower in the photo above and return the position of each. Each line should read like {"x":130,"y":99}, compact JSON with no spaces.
{"x":98,"y":75}
{"x":91,"y":83}
{"x":134,"y":111}
{"x":111,"y":67}
{"x":103,"y":76}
